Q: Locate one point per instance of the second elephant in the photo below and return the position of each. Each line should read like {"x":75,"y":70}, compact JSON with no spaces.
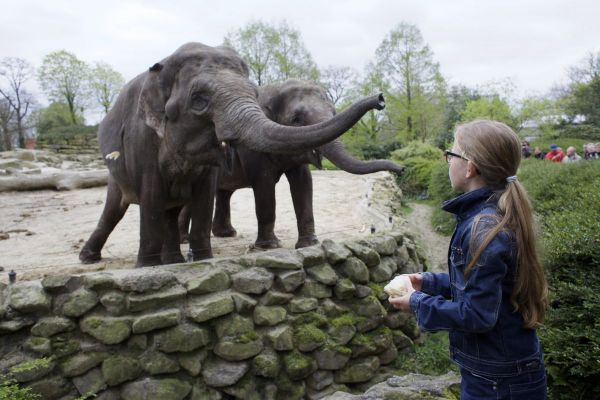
{"x":292,"y":103}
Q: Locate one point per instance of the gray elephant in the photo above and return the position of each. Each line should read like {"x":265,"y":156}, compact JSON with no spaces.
{"x":170,"y":128}
{"x":292,"y":103}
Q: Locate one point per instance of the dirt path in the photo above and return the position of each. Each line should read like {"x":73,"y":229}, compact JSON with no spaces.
{"x":48,"y":228}
{"x":434,"y":244}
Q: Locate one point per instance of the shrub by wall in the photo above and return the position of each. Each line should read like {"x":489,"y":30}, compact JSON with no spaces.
{"x":420,"y":159}
{"x":567,"y":201}
{"x":284,"y":324}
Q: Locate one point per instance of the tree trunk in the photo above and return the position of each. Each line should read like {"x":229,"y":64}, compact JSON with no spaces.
{"x":58,"y":181}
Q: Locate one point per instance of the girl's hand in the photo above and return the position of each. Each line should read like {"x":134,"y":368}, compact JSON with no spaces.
{"x":401,"y":303}
{"x":416,"y":281}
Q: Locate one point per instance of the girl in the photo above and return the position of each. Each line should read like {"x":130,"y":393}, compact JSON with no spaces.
{"x":495,"y":294}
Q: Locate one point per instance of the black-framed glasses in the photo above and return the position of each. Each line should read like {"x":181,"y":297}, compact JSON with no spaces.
{"x":448,"y":155}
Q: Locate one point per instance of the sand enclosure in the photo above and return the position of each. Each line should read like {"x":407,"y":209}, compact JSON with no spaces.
{"x":46,"y":228}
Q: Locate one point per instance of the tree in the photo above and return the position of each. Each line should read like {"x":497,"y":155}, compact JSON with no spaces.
{"x":15,"y":73}
{"x":417,"y":88}
{"x":273,"y":53}
{"x":489,"y":108}
{"x":372,"y":136}
{"x":337,"y":82}
{"x":64,"y":78}
{"x":106,"y":83}
{"x":6,"y":125}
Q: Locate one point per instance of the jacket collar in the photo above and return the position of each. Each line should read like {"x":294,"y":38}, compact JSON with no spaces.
{"x":470,"y":203}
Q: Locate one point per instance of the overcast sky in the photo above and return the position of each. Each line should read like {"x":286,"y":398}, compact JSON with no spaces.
{"x":532,"y":42}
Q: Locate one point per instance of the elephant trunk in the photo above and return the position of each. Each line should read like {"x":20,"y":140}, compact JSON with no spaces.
{"x":246,"y":123}
{"x":339,"y":156}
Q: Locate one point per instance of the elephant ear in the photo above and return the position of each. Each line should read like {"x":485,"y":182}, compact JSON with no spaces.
{"x":153,"y":100}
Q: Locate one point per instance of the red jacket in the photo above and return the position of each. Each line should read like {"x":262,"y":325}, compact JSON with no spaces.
{"x":555,"y":155}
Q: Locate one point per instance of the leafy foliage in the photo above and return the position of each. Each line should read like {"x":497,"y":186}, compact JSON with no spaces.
{"x":273,"y":53}
{"x":105,"y":84}
{"x":10,"y":390}
{"x":53,"y":117}
{"x":585,"y":131}
{"x":430,"y":356}
{"x":65,"y":78}
{"x":489,"y":108}
{"x":420,"y":159}
{"x":566,"y":201}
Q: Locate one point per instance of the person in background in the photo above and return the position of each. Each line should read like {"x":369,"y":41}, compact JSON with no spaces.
{"x":495,"y":295}
{"x":555,"y":154}
{"x":538,"y":153}
{"x":525,"y":149}
{"x":571,"y":156}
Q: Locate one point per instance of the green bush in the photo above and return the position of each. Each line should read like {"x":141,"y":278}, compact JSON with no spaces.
{"x":417,"y":149}
{"x":10,"y":390}
{"x":419,"y":159}
{"x":567,"y":200}
{"x":60,"y":134}
{"x":430,"y":357}
{"x":439,"y":191}
{"x":414,"y":182}
{"x":584,"y":131}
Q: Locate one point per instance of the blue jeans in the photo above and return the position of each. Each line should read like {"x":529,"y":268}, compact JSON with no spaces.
{"x":526,"y":386}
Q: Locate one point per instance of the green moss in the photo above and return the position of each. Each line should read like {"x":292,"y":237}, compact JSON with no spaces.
{"x":309,"y":334}
{"x":367,"y":337}
{"x":39,"y":363}
{"x":311,"y":318}
{"x":247,"y":337}
{"x":377,"y":288}
{"x":338,"y":348}
{"x":347,"y":319}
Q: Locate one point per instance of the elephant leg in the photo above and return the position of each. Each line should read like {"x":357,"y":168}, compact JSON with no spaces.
{"x":202,"y":205}
{"x":153,"y":227}
{"x":264,"y":198}
{"x":221,"y":225}
{"x":114,"y":209}
{"x":171,"y":250}
{"x":183,"y":221}
{"x":300,"y":180}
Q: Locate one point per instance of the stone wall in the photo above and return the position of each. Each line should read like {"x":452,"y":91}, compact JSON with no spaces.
{"x":282,"y":324}
{"x":81,"y":143}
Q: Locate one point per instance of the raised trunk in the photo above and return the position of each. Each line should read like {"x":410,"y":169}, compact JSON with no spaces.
{"x":339,"y":156}
{"x":247,"y":124}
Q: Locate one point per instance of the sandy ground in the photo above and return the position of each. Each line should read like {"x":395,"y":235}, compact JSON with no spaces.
{"x":48,"y":228}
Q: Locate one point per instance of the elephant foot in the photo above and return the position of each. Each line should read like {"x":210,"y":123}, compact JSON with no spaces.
{"x":172,"y":258}
{"x":197,"y":255}
{"x":267,"y":244}
{"x":224,"y":231}
{"x":306,"y":241}
{"x":87,"y":256}
{"x":148,"y":261}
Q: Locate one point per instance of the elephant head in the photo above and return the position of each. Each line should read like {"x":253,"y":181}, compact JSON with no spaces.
{"x":301,"y":103}
{"x":199,"y":100}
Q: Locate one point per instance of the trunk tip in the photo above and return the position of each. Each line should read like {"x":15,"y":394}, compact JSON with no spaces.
{"x":381,"y":102}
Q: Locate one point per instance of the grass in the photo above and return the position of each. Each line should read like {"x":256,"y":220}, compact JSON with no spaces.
{"x":430,"y":356}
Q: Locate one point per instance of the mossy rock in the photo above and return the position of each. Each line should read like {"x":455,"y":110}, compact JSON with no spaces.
{"x":32,"y":369}
{"x":298,"y":366}
{"x":150,"y":388}
{"x":108,"y":330}
{"x":266,"y":364}
{"x":119,"y":369}
{"x":309,"y":337}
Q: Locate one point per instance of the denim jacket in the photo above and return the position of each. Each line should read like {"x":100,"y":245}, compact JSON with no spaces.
{"x":486,"y":334}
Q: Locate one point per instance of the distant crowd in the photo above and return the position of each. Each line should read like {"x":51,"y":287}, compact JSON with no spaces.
{"x":591,"y":151}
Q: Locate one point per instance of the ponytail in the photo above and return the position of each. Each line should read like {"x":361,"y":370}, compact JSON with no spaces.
{"x":530,"y":291}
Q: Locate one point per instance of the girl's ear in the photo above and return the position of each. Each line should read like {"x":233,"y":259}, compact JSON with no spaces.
{"x":471,"y":170}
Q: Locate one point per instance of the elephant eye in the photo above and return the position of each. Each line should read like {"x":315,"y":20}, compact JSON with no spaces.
{"x":199,"y":102}
{"x":296,"y":120}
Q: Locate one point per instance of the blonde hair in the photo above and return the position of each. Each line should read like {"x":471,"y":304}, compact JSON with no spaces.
{"x":496,"y":152}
